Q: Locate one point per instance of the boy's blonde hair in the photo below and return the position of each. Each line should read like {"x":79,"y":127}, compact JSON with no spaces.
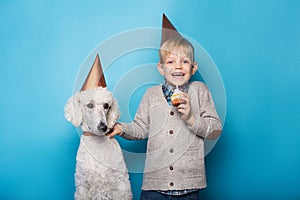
{"x":178,"y":45}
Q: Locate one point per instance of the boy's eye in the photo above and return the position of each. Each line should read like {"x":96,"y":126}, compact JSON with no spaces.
{"x":169,"y":62}
{"x":90,"y":105}
{"x":105,"y":106}
{"x":186,"y":62}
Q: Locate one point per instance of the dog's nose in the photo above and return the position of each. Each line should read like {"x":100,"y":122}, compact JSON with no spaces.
{"x":102,"y":127}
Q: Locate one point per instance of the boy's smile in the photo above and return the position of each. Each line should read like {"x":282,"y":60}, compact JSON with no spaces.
{"x":178,"y":74}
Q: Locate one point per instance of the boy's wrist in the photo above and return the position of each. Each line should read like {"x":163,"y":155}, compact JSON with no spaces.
{"x":119,"y":125}
{"x":191,"y":120}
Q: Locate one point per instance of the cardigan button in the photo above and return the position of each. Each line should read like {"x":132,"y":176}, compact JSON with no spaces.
{"x":171,"y":168}
{"x":171,"y":150}
{"x":171,"y":113}
{"x":171,"y":131}
{"x":171,"y":184}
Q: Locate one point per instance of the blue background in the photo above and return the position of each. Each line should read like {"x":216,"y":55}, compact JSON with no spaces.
{"x":255,"y":44}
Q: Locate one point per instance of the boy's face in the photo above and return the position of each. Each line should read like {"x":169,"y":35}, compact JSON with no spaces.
{"x":177,"y":69}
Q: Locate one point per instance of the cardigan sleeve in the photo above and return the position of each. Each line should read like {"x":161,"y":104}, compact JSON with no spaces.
{"x":138,"y":128}
{"x":207,"y":123}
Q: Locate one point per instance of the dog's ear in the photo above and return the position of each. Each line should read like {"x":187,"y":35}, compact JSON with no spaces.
{"x":72,"y":110}
{"x":113,"y":114}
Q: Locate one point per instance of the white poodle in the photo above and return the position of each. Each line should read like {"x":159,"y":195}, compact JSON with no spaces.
{"x":101,"y":172}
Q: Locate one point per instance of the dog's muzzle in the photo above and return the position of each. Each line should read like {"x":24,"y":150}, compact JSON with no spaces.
{"x":102,"y":127}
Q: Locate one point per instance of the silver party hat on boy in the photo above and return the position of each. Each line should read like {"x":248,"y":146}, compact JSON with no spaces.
{"x":168,"y":30}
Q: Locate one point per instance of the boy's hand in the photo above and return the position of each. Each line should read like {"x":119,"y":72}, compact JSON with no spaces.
{"x":184,"y":109}
{"x":117,"y":130}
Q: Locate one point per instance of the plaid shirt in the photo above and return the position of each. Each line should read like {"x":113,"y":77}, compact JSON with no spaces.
{"x":177,"y":192}
{"x":168,"y":90}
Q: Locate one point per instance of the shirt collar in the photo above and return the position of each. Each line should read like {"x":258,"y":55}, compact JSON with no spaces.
{"x":169,"y":89}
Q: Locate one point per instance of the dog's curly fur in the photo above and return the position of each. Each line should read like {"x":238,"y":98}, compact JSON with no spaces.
{"x":101,"y":172}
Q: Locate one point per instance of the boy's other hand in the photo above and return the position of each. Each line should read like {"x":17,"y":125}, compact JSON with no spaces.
{"x":117,"y":130}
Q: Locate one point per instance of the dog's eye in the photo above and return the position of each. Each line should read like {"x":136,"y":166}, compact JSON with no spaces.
{"x":90,"y":105}
{"x":105,"y":106}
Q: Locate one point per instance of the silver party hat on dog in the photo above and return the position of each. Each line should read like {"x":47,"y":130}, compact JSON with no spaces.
{"x":95,"y":77}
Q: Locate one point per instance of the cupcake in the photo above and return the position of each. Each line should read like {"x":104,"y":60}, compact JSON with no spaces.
{"x":175,"y":98}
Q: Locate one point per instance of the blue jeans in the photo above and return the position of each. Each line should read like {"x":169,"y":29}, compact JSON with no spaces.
{"x":154,"y":195}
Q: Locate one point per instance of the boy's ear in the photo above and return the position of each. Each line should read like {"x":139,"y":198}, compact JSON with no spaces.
{"x":160,"y":69}
{"x":194,"y":68}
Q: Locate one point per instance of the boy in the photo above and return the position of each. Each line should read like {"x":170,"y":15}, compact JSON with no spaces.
{"x":175,"y":150}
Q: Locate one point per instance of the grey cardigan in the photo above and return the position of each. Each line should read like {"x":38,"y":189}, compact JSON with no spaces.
{"x":175,"y":151}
